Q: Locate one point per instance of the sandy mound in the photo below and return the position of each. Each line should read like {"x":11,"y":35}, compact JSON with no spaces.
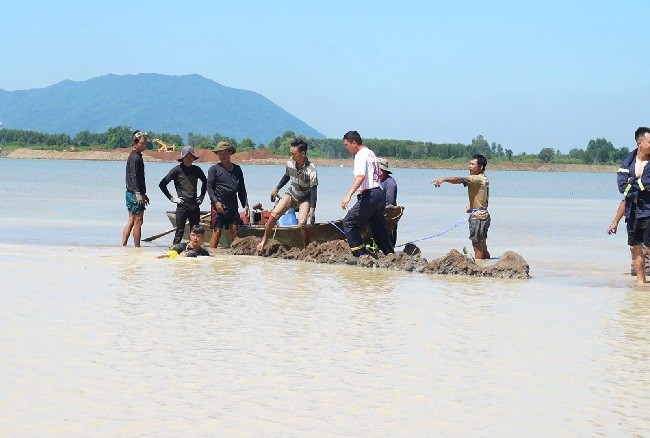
{"x":510,"y":265}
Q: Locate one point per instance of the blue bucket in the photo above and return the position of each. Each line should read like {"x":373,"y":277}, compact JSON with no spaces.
{"x":288,"y":219}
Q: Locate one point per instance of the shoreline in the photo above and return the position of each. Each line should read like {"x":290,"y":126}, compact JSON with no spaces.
{"x":264,"y":157}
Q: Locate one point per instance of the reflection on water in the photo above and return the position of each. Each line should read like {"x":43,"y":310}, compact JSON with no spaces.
{"x":118,"y":342}
{"x":97,"y":339}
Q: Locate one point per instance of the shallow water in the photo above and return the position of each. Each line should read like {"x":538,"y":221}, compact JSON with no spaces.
{"x":97,"y":339}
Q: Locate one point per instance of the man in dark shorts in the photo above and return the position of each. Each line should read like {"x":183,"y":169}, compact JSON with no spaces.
{"x":633,"y":178}
{"x":136,"y":190}
{"x":225,"y":185}
{"x":193,"y":248}
{"x":186,"y":177}
{"x":389,"y":186}
{"x":478,"y":190}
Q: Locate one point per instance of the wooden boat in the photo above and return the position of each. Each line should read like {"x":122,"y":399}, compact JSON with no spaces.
{"x":319,"y":232}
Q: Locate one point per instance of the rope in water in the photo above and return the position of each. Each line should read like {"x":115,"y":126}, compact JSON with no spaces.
{"x":435,"y":235}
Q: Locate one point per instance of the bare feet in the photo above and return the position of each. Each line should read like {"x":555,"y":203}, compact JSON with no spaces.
{"x":260,"y":246}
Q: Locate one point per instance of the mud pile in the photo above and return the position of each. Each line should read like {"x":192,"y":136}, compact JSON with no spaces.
{"x":510,"y":265}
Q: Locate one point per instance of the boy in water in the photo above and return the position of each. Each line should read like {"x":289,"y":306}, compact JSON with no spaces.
{"x":193,"y":248}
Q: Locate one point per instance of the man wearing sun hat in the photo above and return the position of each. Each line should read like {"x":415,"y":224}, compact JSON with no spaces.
{"x":186,"y":177}
{"x":225,"y":185}
{"x":389,"y":185}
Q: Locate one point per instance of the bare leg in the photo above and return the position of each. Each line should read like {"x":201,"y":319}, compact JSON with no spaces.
{"x":486,"y":253}
{"x":127,"y":229}
{"x":267,"y":230}
{"x":234,"y":232}
{"x":216,"y":235}
{"x":639,"y":263}
{"x":305,"y":236}
{"x":137,"y":228}
{"x":480,"y":250}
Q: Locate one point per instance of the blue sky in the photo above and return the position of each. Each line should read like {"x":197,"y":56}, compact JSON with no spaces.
{"x":526,"y":75}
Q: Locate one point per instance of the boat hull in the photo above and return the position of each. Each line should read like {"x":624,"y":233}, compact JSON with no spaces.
{"x":319,"y":232}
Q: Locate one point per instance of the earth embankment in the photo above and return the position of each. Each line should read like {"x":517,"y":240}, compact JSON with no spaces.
{"x":264,"y":156}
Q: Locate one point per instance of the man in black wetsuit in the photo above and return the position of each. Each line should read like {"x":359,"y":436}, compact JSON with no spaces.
{"x":186,"y":177}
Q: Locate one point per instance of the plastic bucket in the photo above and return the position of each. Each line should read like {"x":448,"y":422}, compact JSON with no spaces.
{"x":288,"y":219}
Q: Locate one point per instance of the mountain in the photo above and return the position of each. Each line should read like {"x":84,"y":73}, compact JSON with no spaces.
{"x":149,"y":102}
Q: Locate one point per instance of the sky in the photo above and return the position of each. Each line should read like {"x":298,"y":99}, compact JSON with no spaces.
{"x":523,"y":74}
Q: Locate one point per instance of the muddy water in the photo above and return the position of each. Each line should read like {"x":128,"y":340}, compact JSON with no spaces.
{"x":97,"y":339}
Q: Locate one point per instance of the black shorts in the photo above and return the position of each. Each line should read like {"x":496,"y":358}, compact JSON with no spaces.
{"x":220,"y":220}
{"x":638,"y":231}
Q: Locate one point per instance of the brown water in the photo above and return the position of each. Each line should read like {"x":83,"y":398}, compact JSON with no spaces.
{"x":100,"y":340}
{"x":106,"y":341}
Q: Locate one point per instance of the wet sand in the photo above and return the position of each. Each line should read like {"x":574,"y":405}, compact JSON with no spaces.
{"x":509,"y":265}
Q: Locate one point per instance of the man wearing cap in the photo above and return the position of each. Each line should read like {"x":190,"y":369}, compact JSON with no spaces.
{"x":186,"y":177}
{"x":371,"y":199}
{"x":225,"y":185}
{"x":389,"y":185}
{"x":136,"y":190}
{"x":301,"y":195}
{"x":193,"y":248}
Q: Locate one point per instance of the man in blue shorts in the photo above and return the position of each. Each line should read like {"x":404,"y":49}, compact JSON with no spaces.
{"x":136,"y":190}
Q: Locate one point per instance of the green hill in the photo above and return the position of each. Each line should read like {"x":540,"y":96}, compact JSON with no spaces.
{"x":148,"y":101}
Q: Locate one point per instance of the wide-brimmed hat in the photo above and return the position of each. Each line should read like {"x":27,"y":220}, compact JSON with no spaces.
{"x":383,"y":165}
{"x":224,"y":146}
{"x":188,"y":150}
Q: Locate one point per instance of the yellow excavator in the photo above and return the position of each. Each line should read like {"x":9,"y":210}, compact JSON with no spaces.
{"x":162,"y":146}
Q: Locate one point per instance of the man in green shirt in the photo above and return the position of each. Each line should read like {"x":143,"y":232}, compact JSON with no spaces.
{"x":478,"y":190}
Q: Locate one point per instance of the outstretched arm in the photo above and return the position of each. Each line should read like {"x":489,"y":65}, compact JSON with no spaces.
{"x":448,"y":179}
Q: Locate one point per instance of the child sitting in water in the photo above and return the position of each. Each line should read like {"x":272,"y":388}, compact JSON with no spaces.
{"x":193,"y":248}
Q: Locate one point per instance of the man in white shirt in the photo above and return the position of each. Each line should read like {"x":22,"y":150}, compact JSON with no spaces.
{"x":371,"y":199}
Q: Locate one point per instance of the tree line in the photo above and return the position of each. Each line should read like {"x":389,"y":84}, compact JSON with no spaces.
{"x":597,"y":151}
